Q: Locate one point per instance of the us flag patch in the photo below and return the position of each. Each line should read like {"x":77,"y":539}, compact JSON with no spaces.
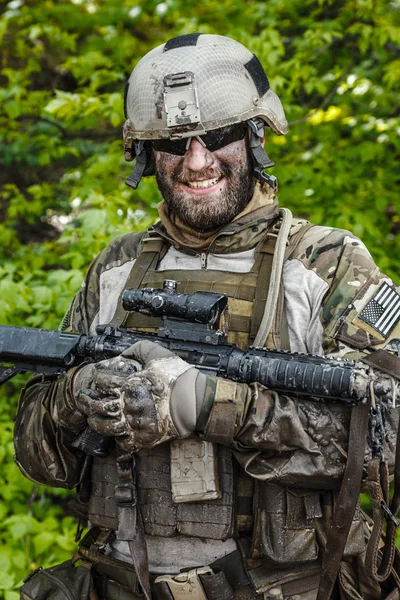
{"x":383,"y":310}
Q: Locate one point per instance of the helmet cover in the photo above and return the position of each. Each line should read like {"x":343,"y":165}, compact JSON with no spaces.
{"x":195,"y":83}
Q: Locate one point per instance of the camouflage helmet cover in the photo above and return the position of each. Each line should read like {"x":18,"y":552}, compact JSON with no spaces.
{"x":195,"y":83}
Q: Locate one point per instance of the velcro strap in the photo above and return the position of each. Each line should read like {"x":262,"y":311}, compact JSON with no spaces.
{"x":222,"y":422}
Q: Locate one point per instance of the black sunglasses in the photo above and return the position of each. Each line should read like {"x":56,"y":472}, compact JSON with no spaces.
{"x":213,"y":140}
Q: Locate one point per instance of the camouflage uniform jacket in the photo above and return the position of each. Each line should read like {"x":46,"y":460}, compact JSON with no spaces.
{"x":331,"y":286}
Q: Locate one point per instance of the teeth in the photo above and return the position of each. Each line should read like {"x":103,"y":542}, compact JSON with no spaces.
{"x":202,"y":184}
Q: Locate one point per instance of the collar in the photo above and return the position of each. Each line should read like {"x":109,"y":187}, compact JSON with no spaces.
{"x":244,"y":232}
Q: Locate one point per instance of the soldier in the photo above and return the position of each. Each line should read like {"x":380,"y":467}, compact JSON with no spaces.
{"x":257,"y":525}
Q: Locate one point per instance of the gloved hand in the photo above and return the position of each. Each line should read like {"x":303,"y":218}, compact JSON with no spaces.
{"x":141,"y":408}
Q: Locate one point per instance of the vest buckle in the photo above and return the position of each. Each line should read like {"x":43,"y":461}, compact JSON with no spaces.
{"x":125,"y":494}
{"x":183,"y":586}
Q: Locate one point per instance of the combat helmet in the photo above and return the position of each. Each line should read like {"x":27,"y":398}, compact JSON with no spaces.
{"x":194,"y":84}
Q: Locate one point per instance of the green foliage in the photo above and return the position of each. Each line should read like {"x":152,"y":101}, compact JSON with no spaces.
{"x":63,"y":66}
{"x":33,"y":527}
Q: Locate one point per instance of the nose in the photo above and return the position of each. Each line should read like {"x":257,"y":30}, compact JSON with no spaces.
{"x":197,"y":157}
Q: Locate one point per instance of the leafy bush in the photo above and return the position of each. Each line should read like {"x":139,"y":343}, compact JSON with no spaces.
{"x":335,"y":65}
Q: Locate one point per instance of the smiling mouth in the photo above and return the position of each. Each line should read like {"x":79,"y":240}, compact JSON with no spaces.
{"x":205,"y":183}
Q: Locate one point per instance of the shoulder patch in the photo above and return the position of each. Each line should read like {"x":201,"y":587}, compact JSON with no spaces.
{"x":382,"y":312}
{"x":372,"y":316}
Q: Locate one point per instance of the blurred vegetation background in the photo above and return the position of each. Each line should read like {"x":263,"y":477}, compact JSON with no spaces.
{"x":64,"y":63}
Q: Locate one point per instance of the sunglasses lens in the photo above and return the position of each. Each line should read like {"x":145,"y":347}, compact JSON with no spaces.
{"x":171,"y":146}
{"x":218,"y":138}
{"x":213,"y":140}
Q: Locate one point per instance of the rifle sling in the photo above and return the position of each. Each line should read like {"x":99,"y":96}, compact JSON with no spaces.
{"x":378,"y":480}
{"x":385,"y":361}
{"x":130,"y":523}
{"x":395,"y":503}
{"x":378,"y":483}
{"x":346,"y":501}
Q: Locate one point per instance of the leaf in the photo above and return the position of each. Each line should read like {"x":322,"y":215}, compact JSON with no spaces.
{"x":54,"y":106}
{"x":19,"y":526}
{"x":5,"y":559}
{"x":11,"y":595}
{"x":7,"y":581}
{"x":43,"y":541}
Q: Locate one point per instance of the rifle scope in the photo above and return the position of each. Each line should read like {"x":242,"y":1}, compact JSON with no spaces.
{"x":200,"y":307}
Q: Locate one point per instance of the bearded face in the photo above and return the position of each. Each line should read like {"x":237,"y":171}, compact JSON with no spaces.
{"x":206,"y":190}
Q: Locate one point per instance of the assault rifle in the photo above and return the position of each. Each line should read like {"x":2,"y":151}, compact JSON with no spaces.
{"x":193,"y":327}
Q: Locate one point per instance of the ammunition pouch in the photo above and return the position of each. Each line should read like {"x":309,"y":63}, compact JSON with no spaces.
{"x":62,"y":582}
{"x":291,"y":523}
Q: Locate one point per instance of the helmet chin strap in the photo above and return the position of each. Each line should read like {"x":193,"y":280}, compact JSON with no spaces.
{"x":144,"y":164}
{"x":139,"y":166}
{"x":261,"y":159}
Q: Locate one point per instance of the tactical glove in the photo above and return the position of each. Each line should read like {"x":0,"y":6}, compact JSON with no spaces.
{"x":64,"y":409}
{"x":141,"y":408}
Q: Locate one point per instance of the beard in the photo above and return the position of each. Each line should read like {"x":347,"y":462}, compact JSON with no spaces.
{"x":219,"y":209}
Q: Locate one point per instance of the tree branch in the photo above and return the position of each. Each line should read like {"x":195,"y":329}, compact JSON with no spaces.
{"x":327,"y":98}
{"x":334,"y":41}
{"x":94,"y":133}
{"x":42,"y":119}
{"x":88,"y":134}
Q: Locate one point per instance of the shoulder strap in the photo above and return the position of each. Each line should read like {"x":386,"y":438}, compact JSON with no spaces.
{"x":153,"y":246}
{"x":277,"y":246}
